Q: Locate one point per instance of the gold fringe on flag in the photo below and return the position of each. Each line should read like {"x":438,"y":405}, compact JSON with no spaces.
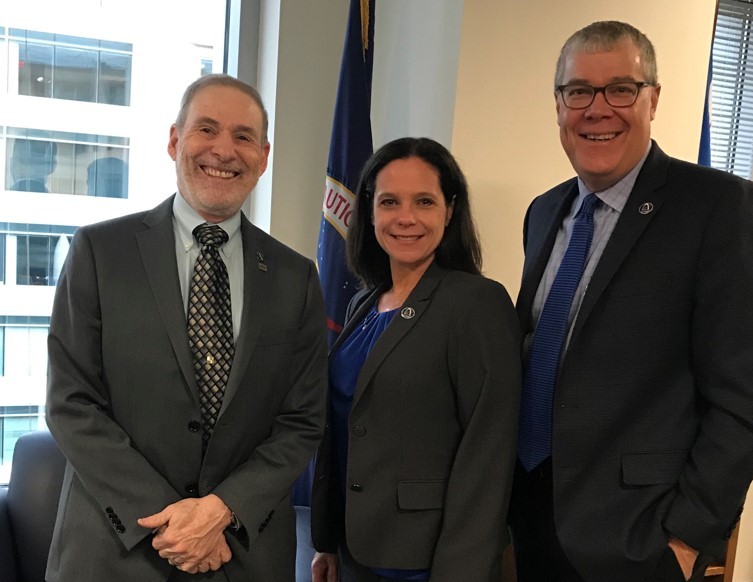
{"x":365,"y":25}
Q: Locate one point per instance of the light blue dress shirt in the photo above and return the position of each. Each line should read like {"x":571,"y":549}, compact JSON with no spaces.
{"x":613,"y":201}
{"x":185,"y":219}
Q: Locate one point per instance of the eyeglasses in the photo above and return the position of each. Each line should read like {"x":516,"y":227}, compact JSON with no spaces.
{"x":622,"y":94}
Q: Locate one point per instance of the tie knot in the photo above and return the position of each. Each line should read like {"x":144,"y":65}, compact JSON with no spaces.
{"x":210,"y":234}
{"x":589,"y":205}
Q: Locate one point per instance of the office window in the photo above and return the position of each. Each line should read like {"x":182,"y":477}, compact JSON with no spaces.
{"x":66,"y":163}
{"x":14,"y":422}
{"x":206,"y":67}
{"x":2,"y":259}
{"x":90,"y":97}
{"x":732,"y":88}
{"x":40,"y":258}
{"x":24,"y":347}
{"x":71,"y":67}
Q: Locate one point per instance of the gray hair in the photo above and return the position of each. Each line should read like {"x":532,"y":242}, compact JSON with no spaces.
{"x":603,"y":36}
{"x":220,"y":80}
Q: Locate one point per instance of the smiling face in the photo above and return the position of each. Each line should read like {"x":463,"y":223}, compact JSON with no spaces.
{"x":219,"y":152}
{"x":410,"y":213}
{"x":604,"y":143}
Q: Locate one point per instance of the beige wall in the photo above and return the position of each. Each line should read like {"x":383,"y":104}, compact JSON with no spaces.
{"x":507,"y":140}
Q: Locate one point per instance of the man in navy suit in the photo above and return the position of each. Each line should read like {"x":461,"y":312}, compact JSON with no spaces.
{"x":636,"y":452}
{"x":155,"y":489}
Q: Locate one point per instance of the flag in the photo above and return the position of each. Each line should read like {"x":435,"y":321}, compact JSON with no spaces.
{"x":704,"y":148}
{"x":350,"y":146}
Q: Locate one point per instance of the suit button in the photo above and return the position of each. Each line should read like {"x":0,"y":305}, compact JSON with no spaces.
{"x":192,"y":489}
{"x":356,"y":487}
{"x":194,"y":426}
{"x":359,"y":430}
{"x":120,"y":529}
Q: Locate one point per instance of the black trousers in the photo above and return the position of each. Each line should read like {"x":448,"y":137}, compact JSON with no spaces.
{"x":538,"y":554}
{"x":351,"y":571}
{"x":179,"y":576}
{"x":539,"y":557}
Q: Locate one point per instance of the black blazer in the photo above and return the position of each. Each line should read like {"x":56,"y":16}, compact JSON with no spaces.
{"x":432,"y":434}
{"x":123,"y":405}
{"x":653,"y":410}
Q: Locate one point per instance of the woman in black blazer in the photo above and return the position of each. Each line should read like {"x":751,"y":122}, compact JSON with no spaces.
{"x":413,"y":475}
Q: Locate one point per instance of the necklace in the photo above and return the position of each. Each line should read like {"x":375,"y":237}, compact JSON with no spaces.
{"x":394,"y":302}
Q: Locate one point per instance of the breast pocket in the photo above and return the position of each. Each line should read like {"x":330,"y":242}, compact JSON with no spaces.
{"x":653,"y":468}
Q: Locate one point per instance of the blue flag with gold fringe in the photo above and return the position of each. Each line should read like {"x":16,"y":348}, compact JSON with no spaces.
{"x":350,"y":146}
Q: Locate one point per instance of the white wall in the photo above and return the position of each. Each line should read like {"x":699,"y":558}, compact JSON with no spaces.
{"x":416,"y":55}
{"x":299,"y":55}
{"x":417,"y":48}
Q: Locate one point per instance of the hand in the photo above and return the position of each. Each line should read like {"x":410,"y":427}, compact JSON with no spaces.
{"x":324,"y":567}
{"x":686,"y":556}
{"x":215,"y":560}
{"x":190,"y":533}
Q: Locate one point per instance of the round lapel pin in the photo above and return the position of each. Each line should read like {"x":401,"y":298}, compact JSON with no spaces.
{"x":646,"y":208}
{"x":407,"y":312}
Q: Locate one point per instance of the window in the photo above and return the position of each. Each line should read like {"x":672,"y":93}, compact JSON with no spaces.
{"x":732,"y":88}
{"x":35,"y":253}
{"x":2,"y":260}
{"x":71,"y":67}
{"x":24,"y":346}
{"x":87,"y":96}
{"x":14,"y":422}
{"x":66,"y":163}
{"x":40,"y":259}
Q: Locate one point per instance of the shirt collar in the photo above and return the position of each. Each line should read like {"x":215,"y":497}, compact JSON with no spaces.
{"x":615,"y":196}
{"x":187,"y":219}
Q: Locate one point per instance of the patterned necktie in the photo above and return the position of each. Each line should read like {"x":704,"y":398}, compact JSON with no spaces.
{"x":540,"y":375}
{"x":210,"y":325}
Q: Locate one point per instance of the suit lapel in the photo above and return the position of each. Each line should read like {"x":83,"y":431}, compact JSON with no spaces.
{"x":157,"y":248}
{"x":355,"y":320}
{"x":256,"y":286}
{"x":642,"y":205}
{"x":541,"y":232}
{"x":418,"y":301}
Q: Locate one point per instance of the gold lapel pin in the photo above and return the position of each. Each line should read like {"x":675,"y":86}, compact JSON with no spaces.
{"x":262,"y":265}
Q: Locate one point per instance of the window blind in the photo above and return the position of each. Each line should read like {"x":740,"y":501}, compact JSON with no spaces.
{"x":732,"y":88}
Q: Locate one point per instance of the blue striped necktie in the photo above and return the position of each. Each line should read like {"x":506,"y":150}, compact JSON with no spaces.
{"x":540,"y":375}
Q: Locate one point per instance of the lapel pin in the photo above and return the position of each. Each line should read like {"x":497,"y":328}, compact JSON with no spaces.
{"x":646,"y":208}
{"x":407,"y":312}
{"x":262,"y":264}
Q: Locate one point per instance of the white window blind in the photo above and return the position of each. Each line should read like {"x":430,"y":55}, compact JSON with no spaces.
{"x":732,"y":88}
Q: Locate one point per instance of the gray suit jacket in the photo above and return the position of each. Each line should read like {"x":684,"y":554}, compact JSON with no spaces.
{"x":123,"y":405}
{"x":432,"y":434}
{"x":653,"y":409}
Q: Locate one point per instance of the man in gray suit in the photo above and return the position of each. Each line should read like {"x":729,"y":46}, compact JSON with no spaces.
{"x":636,"y":432}
{"x":159,"y":487}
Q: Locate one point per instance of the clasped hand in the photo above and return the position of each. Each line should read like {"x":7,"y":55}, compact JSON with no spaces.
{"x":190,"y":534}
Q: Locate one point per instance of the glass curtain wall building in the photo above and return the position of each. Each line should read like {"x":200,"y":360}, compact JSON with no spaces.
{"x":88,"y":90}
